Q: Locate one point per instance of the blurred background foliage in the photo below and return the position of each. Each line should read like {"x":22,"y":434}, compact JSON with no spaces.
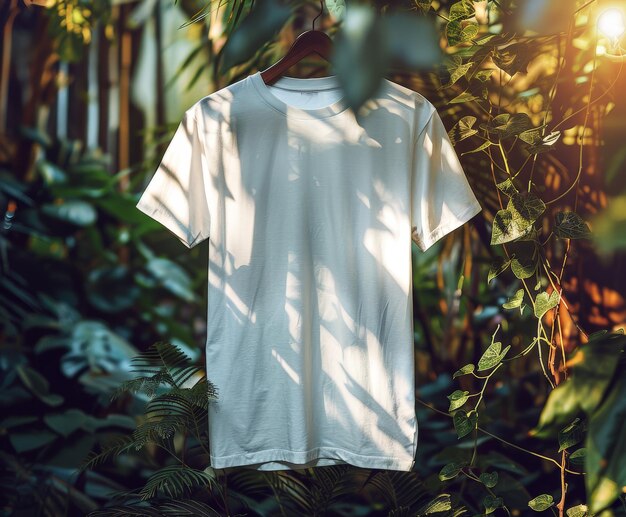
{"x":519,"y":315}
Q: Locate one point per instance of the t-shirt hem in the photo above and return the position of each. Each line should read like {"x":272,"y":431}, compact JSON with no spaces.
{"x":283,"y":459}
{"x":458,"y":221}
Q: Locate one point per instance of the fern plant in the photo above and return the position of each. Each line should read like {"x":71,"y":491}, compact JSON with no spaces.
{"x":178,"y":394}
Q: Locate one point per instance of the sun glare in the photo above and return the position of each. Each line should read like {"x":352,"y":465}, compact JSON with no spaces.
{"x":611,"y":23}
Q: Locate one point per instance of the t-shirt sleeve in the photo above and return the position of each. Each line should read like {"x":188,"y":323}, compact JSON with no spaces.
{"x":441,"y":196}
{"x":176,"y":195}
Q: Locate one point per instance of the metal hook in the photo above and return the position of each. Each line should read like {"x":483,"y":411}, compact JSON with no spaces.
{"x":320,"y":13}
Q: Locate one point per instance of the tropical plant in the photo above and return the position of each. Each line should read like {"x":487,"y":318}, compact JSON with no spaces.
{"x":82,"y":288}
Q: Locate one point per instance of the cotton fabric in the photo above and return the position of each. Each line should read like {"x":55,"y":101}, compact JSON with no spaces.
{"x":308,"y":216}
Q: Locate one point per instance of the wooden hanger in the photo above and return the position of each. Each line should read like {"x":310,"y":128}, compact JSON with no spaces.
{"x":305,"y":44}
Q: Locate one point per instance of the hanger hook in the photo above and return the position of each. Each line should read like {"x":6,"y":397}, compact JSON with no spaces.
{"x":319,"y":14}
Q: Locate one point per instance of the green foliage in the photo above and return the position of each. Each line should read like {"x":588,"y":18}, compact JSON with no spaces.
{"x":366,"y":44}
{"x":262,"y":23}
{"x":493,"y":356}
{"x":181,"y":408}
{"x":468,"y":368}
{"x":464,"y":423}
{"x":492,"y":503}
{"x":515,"y":301}
{"x":569,"y":225}
{"x":174,"y":481}
{"x":489,"y":479}
{"x":544,"y":302}
{"x":541,"y":502}
{"x":516,"y":220}
{"x":450,"y":471}
{"x":457,"y":399}
{"x":597,"y":391}
{"x":75,"y":314}
{"x":463,"y":129}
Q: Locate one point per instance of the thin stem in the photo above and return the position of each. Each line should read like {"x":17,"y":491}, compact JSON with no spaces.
{"x":546,"y":458}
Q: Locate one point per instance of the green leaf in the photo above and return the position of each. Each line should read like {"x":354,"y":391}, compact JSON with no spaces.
{"x":506,"y":125}
{"x":499,"y":265}
{"x":489,"y":479}
{"x":461,"y":10}
{"x":578,"y":456}
{"x":606,"y":448}
{"x":66,"y":423}
{"x":457,"y":33}
{"x":513,"y":58}
{"x":538,"y":144}
{"x":515,"y":301}
{"x":502,"y":230}
{"x":364,"y":41}
{"x":468,"y":368}
{"x":464,"y":424}
{"x":111,"y":288}
{"x":337,"y":8}
{"x":527,"y":206}
{"x":569,"y":225}
{"x":35,"y":135}
{"x":524,"y":266}
{"x":50,"y":172}
{"x":462,"y":129}
{"x":571,"y":435}
{"x":491,"y":503}
{"x":94,"y":346}
{"x":466,"y":97}
{"x":482,"y":146}
{"x":507,"y":187}
{"x":410,"y":40}
{"x":173,"y":277}
{"x":541,"y":502}
{"x":509,"y":225}
{"x":492,"y":356}
{"x":545,"y":302}
{"x":259,"y":27}
{"x":74,"y":211}
{"x":26,"y":441}
{"x":17,"y":421}
{"x":484,"y":75}
{"x":456,"y":69}
{"x":450,"y":471}
{"x":531,"y":136}
{"x":38,"y":385}
{"x":577,"y":511}
{"x":457,"y":399}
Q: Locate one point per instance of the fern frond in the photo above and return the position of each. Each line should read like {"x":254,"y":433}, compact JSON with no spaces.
{"x":174,"y":481}
{"x":400,"y":511}
{"x":157,"y":431}
{"x":408,"y":489}
{"x":164,"y":355}
{"x":441,"y":503}
{"x":295,"y":490}
{"x":200,"y":394}
{"x":174,"y":404}
{"x":126,"y":511}
{"x":146,"y":385}
{"x":329,"y":484}
{"x":124,"y":444}
{"x":188,"y":508}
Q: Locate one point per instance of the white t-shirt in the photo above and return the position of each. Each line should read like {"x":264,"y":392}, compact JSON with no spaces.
{"x":309,"y":216}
